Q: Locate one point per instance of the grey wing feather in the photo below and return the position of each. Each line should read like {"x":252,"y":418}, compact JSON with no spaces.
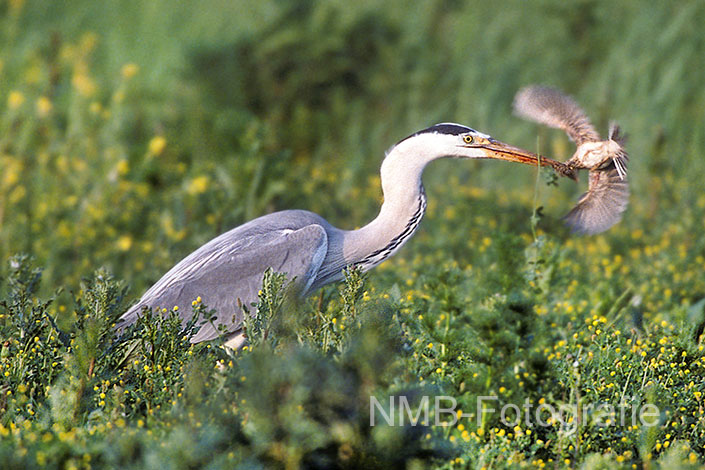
{"x":551,"y":107}
{"x":228,"y":273}
{"x":603,"y":204}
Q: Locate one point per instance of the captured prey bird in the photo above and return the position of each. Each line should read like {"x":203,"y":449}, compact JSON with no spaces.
{"x":608,"y":191}
{"x":227,"y":272}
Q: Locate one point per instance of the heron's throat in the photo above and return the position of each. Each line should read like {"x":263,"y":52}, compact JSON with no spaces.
{"x":403,"y":208}
{"x":395,"y":224}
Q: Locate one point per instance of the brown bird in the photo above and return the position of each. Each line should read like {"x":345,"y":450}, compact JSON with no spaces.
{"x":606,"y":200}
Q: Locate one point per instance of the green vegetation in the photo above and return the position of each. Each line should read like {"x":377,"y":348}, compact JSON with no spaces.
{"x":133,"y":132}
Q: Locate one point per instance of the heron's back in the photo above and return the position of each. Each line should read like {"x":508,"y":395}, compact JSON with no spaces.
{"x":186,"y":278}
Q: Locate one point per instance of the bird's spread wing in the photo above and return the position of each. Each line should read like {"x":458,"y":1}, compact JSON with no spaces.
{"x":551,"y":107}
{"x":603,"y":204}
{"x":228,"y":273}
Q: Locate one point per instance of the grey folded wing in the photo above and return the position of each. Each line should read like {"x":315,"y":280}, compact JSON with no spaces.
{"x":228,"y":273}
{"x":551,"y":107}
{"x":603,"y":204}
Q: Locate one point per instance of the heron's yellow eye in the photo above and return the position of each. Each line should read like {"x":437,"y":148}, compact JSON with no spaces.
{"x":468,"y":139}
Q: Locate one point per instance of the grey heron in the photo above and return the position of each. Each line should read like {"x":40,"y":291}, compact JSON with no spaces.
{"x":607,"y":196}
{"x":227,"y":272}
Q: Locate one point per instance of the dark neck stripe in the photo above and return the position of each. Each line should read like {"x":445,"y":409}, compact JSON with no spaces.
{"x":380,"y":255}
{"x":446,"y":128}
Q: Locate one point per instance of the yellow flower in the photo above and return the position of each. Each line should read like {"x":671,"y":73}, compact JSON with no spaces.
{"x":157,"y":145}
{"x":15,"y":99}
{"x":123,"y":166}
{"x":124,"y":243}
{"x":88,"y":41}
{"x":11,"y":173}
{"x":84,"y":84}
{"x":129,"y":70}
{"x":198,"y":185}
{"x":44,"y":106}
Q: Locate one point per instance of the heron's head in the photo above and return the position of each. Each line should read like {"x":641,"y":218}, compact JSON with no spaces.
{"x":458,"y":141}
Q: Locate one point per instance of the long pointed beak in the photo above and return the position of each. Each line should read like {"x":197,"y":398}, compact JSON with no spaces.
{"x":501,"y":151}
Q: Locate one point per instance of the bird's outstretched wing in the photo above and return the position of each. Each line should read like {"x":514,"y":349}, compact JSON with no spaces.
{"x":603,"y":204}
{"x":551,"y":107}
{"x":227,"y":272}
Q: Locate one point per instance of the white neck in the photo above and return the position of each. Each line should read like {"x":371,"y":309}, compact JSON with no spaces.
{"x":403,"y":207}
